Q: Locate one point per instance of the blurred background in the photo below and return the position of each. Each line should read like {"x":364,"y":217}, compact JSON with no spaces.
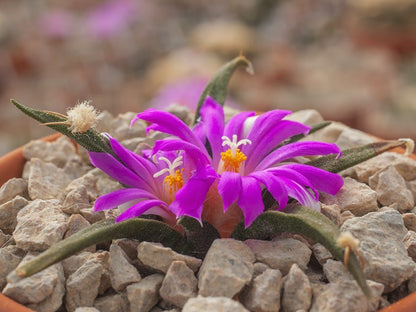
{"x":354,"y":61}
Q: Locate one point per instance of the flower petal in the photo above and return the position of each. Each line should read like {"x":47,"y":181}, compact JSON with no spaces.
{"x":250,"y":200}
{"x":116,"y":170}
{"x":169,"y":123}
{"x":321,"y":180}
{"x":141,"y":166}
{"x":212,"y":117}
{"x":198,"y":156}
{"x":296,"y":149}
{"x":269,"y":138}
{"x":273,"y":185}
{"x":236,"y":124}
{"x":190,"y":198}
{"x":119,"y":197}
{"x":301,"y":194}
{"x":140,"y":208}
{"x":229,"y":187}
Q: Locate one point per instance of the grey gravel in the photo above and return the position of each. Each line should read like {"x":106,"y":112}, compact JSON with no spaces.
{"x":297,"y":291}
{"x":9,"y":211}
{"x":144,"y":295}
{"x":263,"y":293}
{"x":40,"y":224}
{"x":13,"y":188}
{"x":381,"y":235}
{"x":227,"y":268}
{"x":280,"y":254}
{"x":218,"y":304}
{"x":179,"y":284}
{"x":122,"y":273}
{"x":160,"y":258}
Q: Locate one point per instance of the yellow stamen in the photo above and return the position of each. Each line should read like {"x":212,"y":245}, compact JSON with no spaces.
{"x":232,"y":159}
{"x":232,"y":162}
{"x":174,"y":181}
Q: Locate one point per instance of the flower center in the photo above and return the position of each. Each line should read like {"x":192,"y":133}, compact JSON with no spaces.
{"x":232,"y":159}
{"x":174,"y":180}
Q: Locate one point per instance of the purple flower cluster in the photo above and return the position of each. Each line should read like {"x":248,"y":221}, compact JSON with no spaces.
{"x":238,"y":159}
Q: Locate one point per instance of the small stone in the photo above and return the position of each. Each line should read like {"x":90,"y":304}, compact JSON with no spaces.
{"x":5,"y":239}
{"x":82,"y":286}
{"x":57,"y":152}
{"x":72,"y":263}
{"x":226,"y":269}
{"x":280,"y":254}
{"x":9,"y":262}
{"x":332,"y":212}
{"x":263,"y":293}
{"x":179,"y":284}
{"x":38,"y":288}
{"x":86,"y":309}
{"x":409,"y":241}
{"x":13,"y":188}
{"x":297,"y":291}
{"x":381,"y":243}
{"x":122,"y":130}
{"x":9,"y":211}
{"x":345,"y":215}
{"x":76,"y":223}
{"x":403,"y":164}
{"x":92,"y":216}
{"x":122,"y":273}
{"x":112,"y":303}
{"x":391,"y":189}
{"x":409,"y":220}
{"x":259,"y":268}
{"x":160,"y":258}
{"x":46,"y":181}
{"x":144,"y":295}
{"x":307,"y":117}
{"x":76,"y":200}
{"x":352,"y":138}
{"x":346,"y":296}
{"x":321,"y":253}
{"x":335,"y":271}
{"x":40,"y":224}
{"x":354,"y":196}
{"x":218,"y":304}
{"x":75,"y":167}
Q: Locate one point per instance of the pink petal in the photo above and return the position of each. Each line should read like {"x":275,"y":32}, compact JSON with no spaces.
{"x":297,"y":149}
{"x":190,"y":198}
{"x":229,"y":187}
{"x":116,"y":198}
{"x":140,"y":208}
{"x":250,"y":200}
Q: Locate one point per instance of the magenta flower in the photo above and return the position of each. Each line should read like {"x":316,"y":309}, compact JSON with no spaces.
{"x":158,"y":187}
{"x":243,"y":152}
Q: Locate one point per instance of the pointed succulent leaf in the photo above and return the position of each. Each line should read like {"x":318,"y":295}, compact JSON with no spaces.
{"x":354,"y":156}
{"x":217,"y":86}
{"x":137,"y":228}
{"x":91,"y":140}
{"x":198,"y":236}
{"x":302,"y":220}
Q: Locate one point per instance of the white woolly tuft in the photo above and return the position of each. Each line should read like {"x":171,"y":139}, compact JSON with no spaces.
{"x":82,"y":117}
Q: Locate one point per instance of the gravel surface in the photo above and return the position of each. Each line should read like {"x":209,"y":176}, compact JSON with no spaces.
{"x":54,"y":199}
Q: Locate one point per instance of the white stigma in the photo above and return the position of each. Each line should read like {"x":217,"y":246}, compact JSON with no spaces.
{"x":171,"y":166}
{"x":234,"y":144}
